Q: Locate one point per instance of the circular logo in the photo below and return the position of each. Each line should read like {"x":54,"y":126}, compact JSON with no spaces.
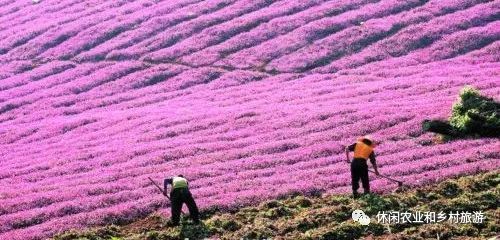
{"x":360,"y":217}
{"x":356,"y":214}
{"x":364,"y":220}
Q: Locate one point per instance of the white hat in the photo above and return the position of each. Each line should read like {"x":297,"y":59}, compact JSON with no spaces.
{"x":368,"y":137}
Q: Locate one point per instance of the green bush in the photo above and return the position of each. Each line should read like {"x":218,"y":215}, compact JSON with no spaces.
{"x":472,"y":114}
{"x":476,"y":114}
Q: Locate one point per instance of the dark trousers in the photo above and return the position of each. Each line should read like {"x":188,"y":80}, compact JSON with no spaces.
{"x":178,"y":197}
{"x":359,"y":171}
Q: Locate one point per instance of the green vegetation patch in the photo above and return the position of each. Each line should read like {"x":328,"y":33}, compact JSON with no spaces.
{"x":472,"y":115}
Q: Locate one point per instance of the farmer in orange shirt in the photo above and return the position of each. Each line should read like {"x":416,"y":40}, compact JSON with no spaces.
{"x":363,"y":150}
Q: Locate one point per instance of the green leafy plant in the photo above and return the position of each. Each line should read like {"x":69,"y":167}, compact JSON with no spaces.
{"x":475,"y":114}
{"x":472,"y":115}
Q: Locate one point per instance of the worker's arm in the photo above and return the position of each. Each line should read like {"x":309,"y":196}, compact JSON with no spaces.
{"x":347,"y":155}
{"x":166,"y":182}
{"x":348,"y":149}
{"x":374,"y":163}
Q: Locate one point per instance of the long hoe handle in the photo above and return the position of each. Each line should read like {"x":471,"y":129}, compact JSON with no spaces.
{"x":400,"y":183}
{"x":157,"y":186}
{"x":161,"y":190}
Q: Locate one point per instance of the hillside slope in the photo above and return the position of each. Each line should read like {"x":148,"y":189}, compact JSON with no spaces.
{"x":247,"y":98}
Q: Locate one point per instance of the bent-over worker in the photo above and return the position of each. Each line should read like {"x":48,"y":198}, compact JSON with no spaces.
{"x":179,"y":195}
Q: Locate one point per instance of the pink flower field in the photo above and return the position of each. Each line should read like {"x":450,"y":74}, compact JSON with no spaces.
{"x":249,"y":99}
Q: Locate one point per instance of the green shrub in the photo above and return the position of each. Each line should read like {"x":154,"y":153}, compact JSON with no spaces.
{"x":472,"y":114}
{"x":476,"y":114}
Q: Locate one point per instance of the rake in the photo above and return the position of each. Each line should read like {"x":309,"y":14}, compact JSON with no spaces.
{"x":400,"y":183}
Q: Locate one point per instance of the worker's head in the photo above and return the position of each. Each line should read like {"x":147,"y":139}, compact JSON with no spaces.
{"x":368,"y":140}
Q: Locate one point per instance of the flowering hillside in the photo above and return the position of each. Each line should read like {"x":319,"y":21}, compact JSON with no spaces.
{"x":249,"y":99}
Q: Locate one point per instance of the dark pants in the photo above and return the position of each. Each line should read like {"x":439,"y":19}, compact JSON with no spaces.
{"x":359,"y":171}
{"x":178,"y":197}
